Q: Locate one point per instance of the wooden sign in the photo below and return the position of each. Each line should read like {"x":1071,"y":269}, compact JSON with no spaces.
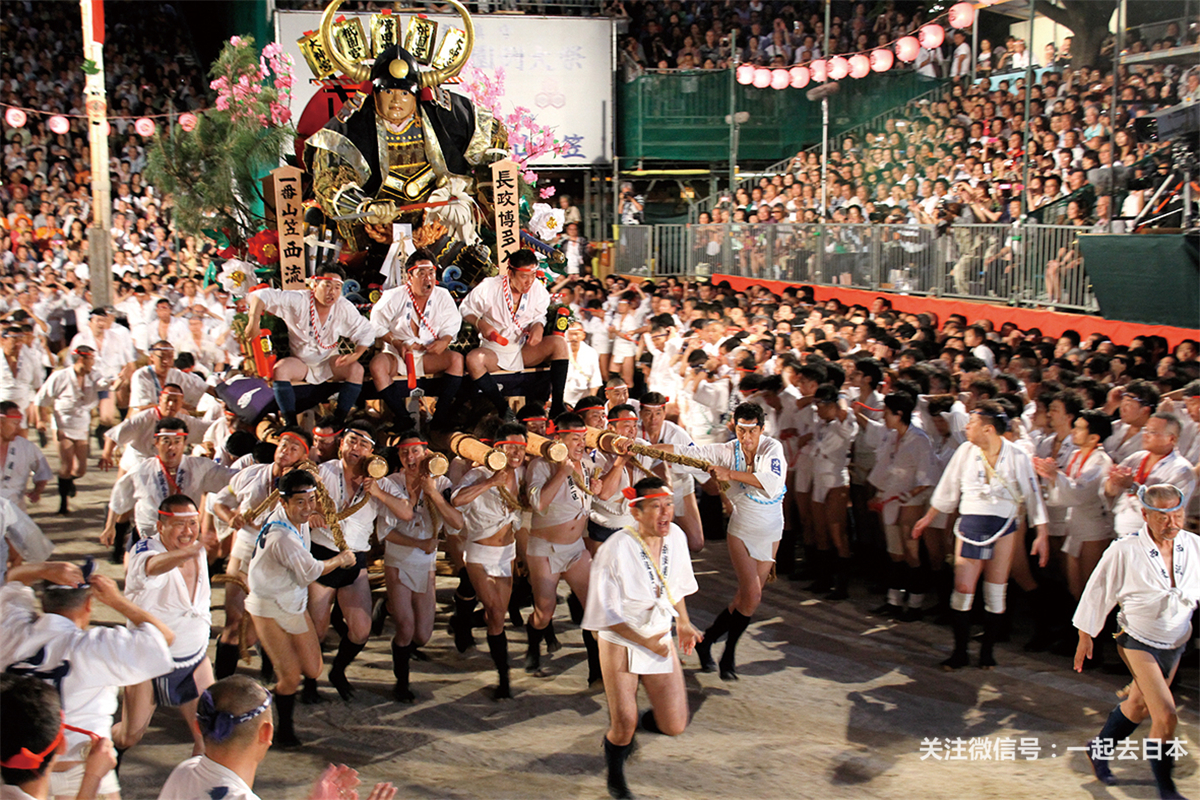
{"x":289,"y":217}
{"x":506,"y":199}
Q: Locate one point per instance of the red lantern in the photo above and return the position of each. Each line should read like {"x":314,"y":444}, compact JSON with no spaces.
{"x":15,"y":118}
{"x":745,"y":74}
{"x":820,"y":70}
{"x":860,"y":66}
{"x":907,"y":49}
{"x":799,"y":77}
{"x":762,"y":78}
{"x":838,"y":68}
{"x":932,"y":36}
{"x":144,"y":127}
{"x":882,"y":59}
{"x":780,"y":79}
{"x":58,"y":124}
{"x":188,"y":121}
{"x":961,"y":15}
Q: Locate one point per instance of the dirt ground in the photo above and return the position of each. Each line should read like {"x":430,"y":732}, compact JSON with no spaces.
{"x":832,"y":703}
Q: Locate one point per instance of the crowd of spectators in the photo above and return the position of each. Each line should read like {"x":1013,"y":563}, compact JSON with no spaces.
{"x":45,"y":196}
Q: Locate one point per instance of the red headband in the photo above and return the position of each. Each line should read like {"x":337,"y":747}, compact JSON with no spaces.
{"x":632,"y":496}
{"x":622,"y":419}
{"x":24,"y":759}
{"x":179,"y":513}
{"x":327,"y":278}
{"x":171,"y":433}
{"x":510,"y":441}
{"x":326,"y":435}
{"x":14,"y":415}
{"x":299,"y":439}
{"x":413,"y":444}
{"x":169,"y":390}
{"x":536,"y":419}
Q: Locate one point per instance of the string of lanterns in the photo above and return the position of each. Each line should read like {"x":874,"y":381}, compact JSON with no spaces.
{"x":17,"y":117}
{"x":860,"y":65}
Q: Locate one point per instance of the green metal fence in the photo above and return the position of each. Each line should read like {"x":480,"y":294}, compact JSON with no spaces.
{"x":680,"y":115}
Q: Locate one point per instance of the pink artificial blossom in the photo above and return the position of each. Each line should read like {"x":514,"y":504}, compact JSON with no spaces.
{"x":236,"y":41}
{"x":547,"y":192}
{"x":530,"y":176}
{"x":223,"y":103}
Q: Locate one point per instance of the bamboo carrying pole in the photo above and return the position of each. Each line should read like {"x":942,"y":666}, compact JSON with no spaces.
{"x":472,"y":449}
{"x":552,"y":451}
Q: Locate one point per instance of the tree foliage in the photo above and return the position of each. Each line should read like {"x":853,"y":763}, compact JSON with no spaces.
{"x":213,"y":171}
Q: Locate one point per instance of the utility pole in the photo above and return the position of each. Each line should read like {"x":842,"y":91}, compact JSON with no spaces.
{"x":99,"y":234}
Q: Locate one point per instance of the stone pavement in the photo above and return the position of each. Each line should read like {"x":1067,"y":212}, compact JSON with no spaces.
{"x":832,"y":703}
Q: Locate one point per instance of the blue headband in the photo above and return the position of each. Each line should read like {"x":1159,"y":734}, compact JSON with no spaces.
{"x":219,"y":725}
{"x":1141,"y":496}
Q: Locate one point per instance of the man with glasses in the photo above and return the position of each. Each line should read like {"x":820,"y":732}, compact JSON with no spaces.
{"x":146,"y":385}
{"x":1158,"y":461}
{"x":509,"y":311}
{"x":317,"y":318}
{"x":348,"y":484}
{"x":419,"y":321}
{"x":66,"y":399}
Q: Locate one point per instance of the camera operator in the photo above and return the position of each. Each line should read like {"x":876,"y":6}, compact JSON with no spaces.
{"x":630,"y":206}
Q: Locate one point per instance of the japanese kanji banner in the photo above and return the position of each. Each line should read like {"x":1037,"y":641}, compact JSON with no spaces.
{"x":289,"y":215}
{"x":506,"y":199}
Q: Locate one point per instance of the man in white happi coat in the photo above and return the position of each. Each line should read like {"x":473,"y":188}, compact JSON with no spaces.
{"x":85,"y":663}
{"x":316,"y":319}
{"x":20,"y":374}
{"x":1159,"y":461}
{"x":66,"y":399}
{"x":756,"y":467}
{"x":417,"y":322}
{"x":233,"y":505}
{"x":115,"y":358}
{"x":155,"y":479}
{"x":136,"y":433}
{"x":147,"y":383}
{"x":509,"y":311}
{"x":349,"y":486}
{"x":168,"y":577}
{"x":19,"y":458}
{"x":410,"y":555}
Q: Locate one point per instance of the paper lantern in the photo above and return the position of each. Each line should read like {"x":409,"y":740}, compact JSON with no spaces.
{"x":961,"y":15}
{"x":838,"y":68}
{"x":907,"y":49}
{"x":860,"y":66}
{"x":820,"y":70}
{"x":15,"y":118}
{"x":799,"y":77}
{"x":932,"y":36}
{"x":762,"y":78}
{"x":188,"y":121}
{"x":144,"y":126}
{"x":58,"y":124}
{"x":780,"y":79}
{"x":882,"y":59}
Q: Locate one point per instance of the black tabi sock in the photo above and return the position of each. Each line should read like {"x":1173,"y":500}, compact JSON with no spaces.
{"x":393,"y":396}
{"x":486,"y":383}
{"x":347,"y":397}
{"x":226,"y":660}
{"x":445,"y":400}
{"x":558,"y":384}
{"x":737,"y":627}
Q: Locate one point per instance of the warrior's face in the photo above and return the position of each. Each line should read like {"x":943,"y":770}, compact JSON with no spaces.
{"x":395,"y":105}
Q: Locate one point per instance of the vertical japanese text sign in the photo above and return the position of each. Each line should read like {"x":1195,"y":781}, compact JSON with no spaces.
{"x":506,"y":198}
{"x":289,"y":214}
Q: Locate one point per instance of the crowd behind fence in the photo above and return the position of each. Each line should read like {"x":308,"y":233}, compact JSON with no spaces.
{"x":1022,"y":264}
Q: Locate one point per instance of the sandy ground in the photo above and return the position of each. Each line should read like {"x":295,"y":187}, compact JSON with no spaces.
{"x":832,"y":703}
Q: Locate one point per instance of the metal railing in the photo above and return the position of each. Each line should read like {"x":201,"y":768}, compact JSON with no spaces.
{"x":875,"y":123}
{"x":1017,"y":264}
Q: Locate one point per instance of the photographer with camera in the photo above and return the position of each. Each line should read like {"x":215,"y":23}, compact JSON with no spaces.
{"x":630,"y":206}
